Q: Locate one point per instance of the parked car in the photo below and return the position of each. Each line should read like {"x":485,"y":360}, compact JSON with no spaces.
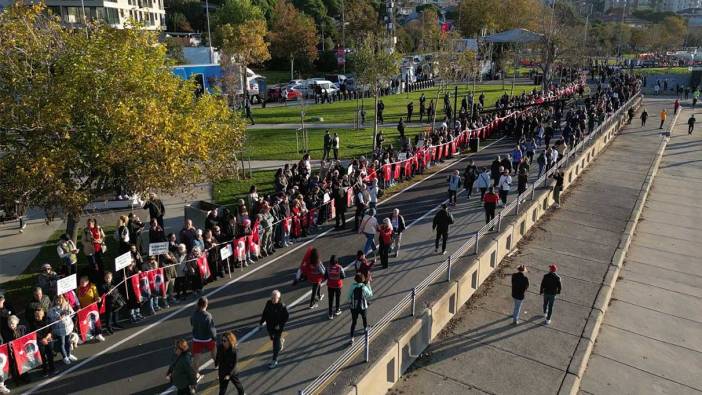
{"x":309,"y":87}
{"x":277,"y":93}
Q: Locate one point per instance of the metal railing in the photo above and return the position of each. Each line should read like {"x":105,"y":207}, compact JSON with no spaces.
{"x":444,"y":268}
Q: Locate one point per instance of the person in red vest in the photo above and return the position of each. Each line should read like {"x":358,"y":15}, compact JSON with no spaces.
{"x":313,"y":270}
{"x":335,"y":275}
{"x":490,"y":200}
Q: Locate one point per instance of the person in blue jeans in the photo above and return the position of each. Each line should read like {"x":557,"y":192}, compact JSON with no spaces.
{"x":550,"y":287}
{"x":520,"y":283}
{"x":369,"y":227}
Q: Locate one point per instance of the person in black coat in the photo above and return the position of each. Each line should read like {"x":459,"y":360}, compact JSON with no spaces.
{"x":441,"y":223}
{"x":225,"y":362}
{"x":340,"y":201}
{"x":495,"y":171}
{"x":520,"y":283}
{"x":275,"y":315}
{"x":550,"y":287}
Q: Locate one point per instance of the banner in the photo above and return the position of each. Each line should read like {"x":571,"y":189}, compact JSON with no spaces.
{"x":4,"y":362}
{"x":349,"y":197}
{"x":144,"y":286}
{"x":157,"y":282}
{"x":332,"y":210}
{"x":240,"y":249}
{"x":396,"y":172}
{"x":26,"y":352}
{"x":66,"y":284}
{"x":226,"y":251}
{"x":158,"y":248}
{"x":134,"y":283}
{"x":123,"y":261}
{"x":89,"y":322}
{"x":203,"y":267}
{"x":386,"y":173}
{"x":252,"y":246}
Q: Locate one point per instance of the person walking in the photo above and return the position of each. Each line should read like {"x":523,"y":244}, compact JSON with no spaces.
{"x":550,"y":287}
{"x":691,"y":124}
{"x":181,"y":373}
{"x":454,"y":183}
{"x":469,"y":176}
{"x":398,"y":226}
{"x":275,"y":315}
{"x":442,"y":220}
{"x":335,"y":275}
{"x":644,"y":117}
{"x":226,"y":364}
{"x":483,"y":182}
{"x":358,"y":296}
{"x":314,"y":271}
{"x":336,"y":143}
{"x":247,"y":111}
{"x":410,"y":110}
{"x":558,"y":176}
{"x":204,"y":333}
{"x":385,"y":233}
{"x":369,"y":227}
{"x":326,"y":145}
{"x":504,"y":185}
{"x":695,"y":97}
{"x":664,"y":116}
{"x":676,"y":106}
{"x":520,"y":283}
{"x":490,"y":204}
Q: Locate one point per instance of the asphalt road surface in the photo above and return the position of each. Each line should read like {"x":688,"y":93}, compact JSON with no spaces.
{"x":135,"y":360}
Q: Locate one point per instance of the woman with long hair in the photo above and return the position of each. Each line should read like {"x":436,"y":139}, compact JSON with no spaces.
{"x":181,"y":373}
{"x":226,"y":361}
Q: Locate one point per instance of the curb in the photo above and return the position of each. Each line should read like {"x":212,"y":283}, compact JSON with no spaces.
{"x":578,"y":364}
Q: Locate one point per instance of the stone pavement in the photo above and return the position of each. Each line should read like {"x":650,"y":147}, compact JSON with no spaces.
{"x":480,"y":351}
{"x":651,"y":337}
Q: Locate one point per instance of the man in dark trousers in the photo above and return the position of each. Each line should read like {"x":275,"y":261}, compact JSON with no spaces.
{"x":379,"y":111}
{"x":644,"y":117}
{"x":156,"y":208}
{"x":275,"y":315}
{"x":520,"y":283}
{"x":691,"y":124}
{"x":441,"y":223}
{"x":550,"y":287}
{"x":410,"y":110}
{"x":327,"y":145}
{"x":204,"y":333}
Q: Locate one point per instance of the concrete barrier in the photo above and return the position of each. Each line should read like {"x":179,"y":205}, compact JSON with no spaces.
{"x":384,"y":372}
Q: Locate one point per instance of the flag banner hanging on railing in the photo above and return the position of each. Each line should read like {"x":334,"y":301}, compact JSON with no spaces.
{"x":332,"y":210}
{"x":386,"y":173}
{"x":239,"y":246}
{"x":349,"y":197}
{"x":134,"y":282}
{"x":4,"y":362}
{"x":396,"y":172}
{"x":89,"y":324}
{"x":252,"y":246}
{"x":203,"y":267}
{"x":157,"y":281}
{"x":25,"y":351}
{"x":144,"y":286}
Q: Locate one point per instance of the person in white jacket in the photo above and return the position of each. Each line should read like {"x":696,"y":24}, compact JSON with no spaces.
{"x":369,"y":227}
{"x":505,"y":184}
{"x":454,"y":183}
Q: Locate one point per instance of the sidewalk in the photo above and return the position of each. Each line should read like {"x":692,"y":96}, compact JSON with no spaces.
{"x":651,"y":337}
{"x":480,"y":351}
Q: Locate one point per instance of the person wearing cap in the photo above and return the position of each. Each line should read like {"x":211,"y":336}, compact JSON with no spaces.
{"x":520,"y":283}
{"x":550,"y":287}
{"x":441,"y":223}
{"x":47,"y":280}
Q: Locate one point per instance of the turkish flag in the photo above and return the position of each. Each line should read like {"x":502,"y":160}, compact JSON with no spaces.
{"x":386,"y":173}
{"x":396,"y":173}
{"x":89,"y":322}
{"x":157,"y":281}
{"x":446,"y":149}
{"x":144,"y":286}
{"x":408,"y":168}
{"x":26,"y":352}
{"x":239,"y":246}
{"x":134,"y":282}
{"x":4,"y":362}
{"x":349,"y":197}
{"x":453,"y":147}
{"x":332,"y":210}
{"x":252,"y":246}
{"x":438,"y":152}
{"x":203,"y":267}
{"x":286,"y":224}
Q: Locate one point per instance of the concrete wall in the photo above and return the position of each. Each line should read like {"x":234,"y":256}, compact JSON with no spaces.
{"x":385,"y":371}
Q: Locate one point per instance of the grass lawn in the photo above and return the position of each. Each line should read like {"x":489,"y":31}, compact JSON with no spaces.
{"x":661,"y":70}
{"x":395,"y":105}
{"x":275,"y":76}
{"x":19,"y":291}
{"x":265,"y":144}
{"x":227,"y":192}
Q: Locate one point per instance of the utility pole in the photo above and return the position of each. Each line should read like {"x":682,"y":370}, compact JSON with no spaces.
{"x":343,"y":32}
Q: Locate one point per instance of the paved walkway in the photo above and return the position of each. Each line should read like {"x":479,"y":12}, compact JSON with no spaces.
{"x":480,"y":351}
{"x":651,"y":337}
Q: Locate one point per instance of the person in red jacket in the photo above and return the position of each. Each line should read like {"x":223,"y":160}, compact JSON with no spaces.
{"x":313,"y":270}
{"x":490,"y":200}
{"x":385,"y":233}
{"x":335,"y":281}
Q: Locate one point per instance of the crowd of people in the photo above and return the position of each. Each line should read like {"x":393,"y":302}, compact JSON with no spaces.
{"x":258,"y":225}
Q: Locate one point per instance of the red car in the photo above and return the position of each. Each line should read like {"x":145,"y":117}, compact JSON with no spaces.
{"x":277,"y":93}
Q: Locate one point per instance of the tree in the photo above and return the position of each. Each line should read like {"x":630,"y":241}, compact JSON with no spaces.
{"x":174,"y":50}
{"x":82,"y":115}
{"x":476,"y":15}
{"x":293,"y":35}
{"x":375,"y":66}
{"x":234,"y":12}
{"x":362,"y":19}
{"x":242,"y":44}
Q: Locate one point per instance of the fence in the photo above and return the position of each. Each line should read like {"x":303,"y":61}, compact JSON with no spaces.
{"x":444,"y":269}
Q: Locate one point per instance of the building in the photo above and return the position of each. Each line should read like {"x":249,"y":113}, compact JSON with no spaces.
{"x":116,"y":13}
{"x":653,"y":5}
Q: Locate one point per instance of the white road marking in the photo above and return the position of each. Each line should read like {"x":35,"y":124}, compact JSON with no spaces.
{"x":220,"y":288}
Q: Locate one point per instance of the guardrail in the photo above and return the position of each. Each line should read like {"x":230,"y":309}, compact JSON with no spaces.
{"x":444,"y":269}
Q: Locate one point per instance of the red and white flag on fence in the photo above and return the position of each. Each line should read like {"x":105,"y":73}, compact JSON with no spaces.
{"x":332,"y":210}
{"x":144,"y":286}
{"x":134,"y":282}
{"x":26,"y":352}
{"x":89,"y":322}
{"x":4,"y":362}
{"x":239,"y":246}
{"x":157,"y":282}
{"x":203,"y":267}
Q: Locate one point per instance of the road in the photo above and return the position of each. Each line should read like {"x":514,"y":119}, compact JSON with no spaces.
{"x":135,"y":360}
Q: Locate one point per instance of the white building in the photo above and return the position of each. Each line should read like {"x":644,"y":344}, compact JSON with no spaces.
{"x":116,"y":13}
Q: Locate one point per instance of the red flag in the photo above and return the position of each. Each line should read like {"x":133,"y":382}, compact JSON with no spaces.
{"x":134,"y":281}
{"x":446,"y":149}
{"x":89,"y":322}
{"x":332,"y":210}
{"x":203,"y":267}
{"x":386,"y":173}
{"x":157,"y":282}
{"x":427,"y":157}
{"x":4,"y":362}
{"x":408,"y":168}
{"x":26,"y":352}
{"x":396,"y":173}
{"x":453,"y":147}
{"x":252,"y":246}
{"x":372,"y":174}
{"x":438,"y":152}
{"x":144,"y":286}
{"x":286,"y":224}
{"x":239,"y":246}
{"x":349,"y":197}
{"x":254,"y":231}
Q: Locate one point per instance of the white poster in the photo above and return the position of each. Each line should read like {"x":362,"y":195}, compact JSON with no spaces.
{"x":66,"y":284}
{"x":123,"y":261}
{"x":226,"y":251}
{"x":158,"y":248}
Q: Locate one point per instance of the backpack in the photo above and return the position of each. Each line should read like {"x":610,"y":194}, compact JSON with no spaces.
{"x":358,"y":300}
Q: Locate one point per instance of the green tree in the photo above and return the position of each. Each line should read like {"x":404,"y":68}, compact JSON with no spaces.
{"x":80,"y":115}
{"x":243,"y":44}
{"x":375,"y":66}
{"x":293,"y":35}
{"x":234,"y":12}
{"x":362,"y":19}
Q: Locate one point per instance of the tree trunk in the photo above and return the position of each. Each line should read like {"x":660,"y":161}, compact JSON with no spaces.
{"x":375,"y":117}
{"x":72,"y":226}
